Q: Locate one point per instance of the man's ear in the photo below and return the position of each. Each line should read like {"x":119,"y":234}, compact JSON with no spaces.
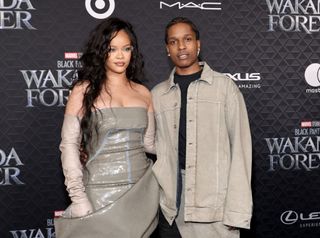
{"x":168,"y":52}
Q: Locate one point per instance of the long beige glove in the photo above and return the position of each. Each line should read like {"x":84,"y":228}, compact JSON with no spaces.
{"x":72,"y":168}
{"x":149,"y":136}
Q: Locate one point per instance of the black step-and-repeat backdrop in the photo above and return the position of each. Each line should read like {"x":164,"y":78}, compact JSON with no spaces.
{"x":270,"y":48}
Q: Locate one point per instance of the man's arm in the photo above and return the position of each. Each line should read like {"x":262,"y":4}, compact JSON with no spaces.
{"x":238,"y":205}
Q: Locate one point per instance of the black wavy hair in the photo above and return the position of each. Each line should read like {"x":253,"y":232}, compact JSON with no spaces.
{"x":93,"y":69}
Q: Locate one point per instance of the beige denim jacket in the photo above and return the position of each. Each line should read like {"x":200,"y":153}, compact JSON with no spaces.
{"x":218,"y":153}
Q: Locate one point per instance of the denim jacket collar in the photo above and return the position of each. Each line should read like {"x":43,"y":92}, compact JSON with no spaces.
{"x":206,"y":76}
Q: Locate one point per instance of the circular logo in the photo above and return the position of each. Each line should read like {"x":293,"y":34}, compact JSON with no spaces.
{"x":100,"y":4}
{"x":312,"y":75}
{"x":289,"y":217}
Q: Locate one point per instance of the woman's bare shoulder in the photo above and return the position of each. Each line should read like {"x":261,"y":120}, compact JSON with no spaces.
{"x":142,"y":89}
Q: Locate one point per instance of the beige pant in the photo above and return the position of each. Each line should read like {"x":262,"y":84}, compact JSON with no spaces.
{"x":202,"y":230}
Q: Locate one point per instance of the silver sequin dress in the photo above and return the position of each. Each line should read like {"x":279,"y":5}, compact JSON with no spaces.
{"x":118,"y":180}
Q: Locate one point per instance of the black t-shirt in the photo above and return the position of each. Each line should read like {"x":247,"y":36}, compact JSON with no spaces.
{"x":184,"y":81}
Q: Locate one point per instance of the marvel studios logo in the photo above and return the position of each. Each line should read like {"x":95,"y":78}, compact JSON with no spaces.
{"x":72,"y":55}
{"x":58,"y":214}
{"x":305,"y":124}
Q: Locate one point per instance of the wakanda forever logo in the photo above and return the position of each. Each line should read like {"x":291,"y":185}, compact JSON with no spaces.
{"x":99,"y":8}
{"x":10,"y":165}
{"x":294,"y":15}
{"x":16,"y":14}
{"x":50,"y":87}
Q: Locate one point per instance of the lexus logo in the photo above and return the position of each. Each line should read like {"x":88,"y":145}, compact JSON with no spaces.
{"x":289,"y":217}
{"x":100,"y":4}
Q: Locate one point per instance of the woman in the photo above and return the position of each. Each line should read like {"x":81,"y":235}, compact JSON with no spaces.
{"x":111,"y":115}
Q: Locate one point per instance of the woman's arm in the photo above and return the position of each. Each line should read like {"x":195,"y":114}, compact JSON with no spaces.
{"x":69,"y":147}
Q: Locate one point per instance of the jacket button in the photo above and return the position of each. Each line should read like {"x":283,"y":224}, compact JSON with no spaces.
{"x":175,"y":126}
{"x":190,"y":143}
{"x":190,"y":98}
{"x":175,"y":104}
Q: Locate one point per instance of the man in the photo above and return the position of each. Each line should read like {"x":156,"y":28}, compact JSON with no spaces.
{"x":203,"y":145}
